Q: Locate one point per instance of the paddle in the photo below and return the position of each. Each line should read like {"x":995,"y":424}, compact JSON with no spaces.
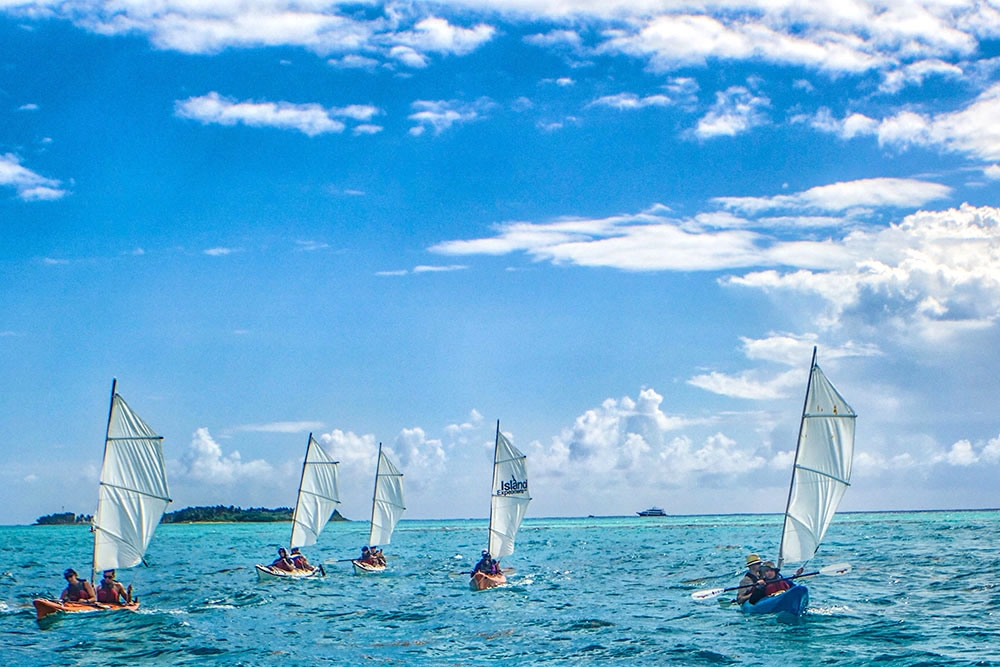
{"x":830,"y":570}
{"x":331,"y":561}
{"x":505,"y":570}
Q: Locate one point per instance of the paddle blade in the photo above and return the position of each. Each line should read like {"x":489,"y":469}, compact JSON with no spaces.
{"x":707,"y":594}
{"x":836,"y":569}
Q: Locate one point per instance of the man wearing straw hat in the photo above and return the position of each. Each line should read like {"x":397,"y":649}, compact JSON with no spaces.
{"x":749,"y":579}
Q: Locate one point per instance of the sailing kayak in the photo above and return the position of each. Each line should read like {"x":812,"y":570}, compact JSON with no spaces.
{"x":481,"y":581}
{"x":367,"y":568}
{"x":792,"y":602}
{"x":45,"y":606}
{"x":267,"y":573}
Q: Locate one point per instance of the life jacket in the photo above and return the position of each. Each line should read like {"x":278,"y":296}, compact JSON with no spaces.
{"x":107,"y":594}
{"x":776,"y":586}
{"x":76,"y":592}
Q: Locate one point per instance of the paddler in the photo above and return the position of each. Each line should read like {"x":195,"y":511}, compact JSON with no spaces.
{"x":76,"y":590}
{"x":111,"y":591}
{"x":750,"y":579}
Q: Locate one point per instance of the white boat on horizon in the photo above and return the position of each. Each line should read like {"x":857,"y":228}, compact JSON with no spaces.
{"x":652,"y":511}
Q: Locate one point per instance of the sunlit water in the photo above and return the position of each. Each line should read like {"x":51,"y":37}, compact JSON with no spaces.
{"x":923,"y":591}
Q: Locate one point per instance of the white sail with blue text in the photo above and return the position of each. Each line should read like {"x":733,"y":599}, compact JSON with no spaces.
{"x":510,"y":496}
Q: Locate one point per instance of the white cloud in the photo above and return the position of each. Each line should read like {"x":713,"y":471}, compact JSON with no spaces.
{"x":310,"y":119}
{"x":748,"y":385}
{"x":439,"y":269}
{"x":436,"y":35}
{"x":353,"y":61}
{"x":441,"y":115}
{"x":282,"y":427}
{"x":204,"y":462}
{"x":735,"y":111}
{"x":971,"y":131}
{"x":627,"y":101}
{"x":221,"y":252}
{"x":29,"y":185}
{"x":845,"y":195}
{"x":933,"y":275}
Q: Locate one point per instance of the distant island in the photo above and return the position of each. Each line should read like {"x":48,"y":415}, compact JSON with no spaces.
{"x":62,"y":519}
{"x":216,"y":514}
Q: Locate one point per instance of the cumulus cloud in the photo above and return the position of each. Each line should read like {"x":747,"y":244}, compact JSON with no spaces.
{"x":436,"y":35}
{"x":936,"y":274}
{"x":634,"y":441}
{"x":310,"y":119}
{"x":735,"y":111}
{"x":204,"y":462}
{"x":971,"y":131}
{"x":29,"y":185}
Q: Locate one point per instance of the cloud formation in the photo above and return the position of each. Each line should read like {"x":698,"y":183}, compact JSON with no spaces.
{"x":204,"y":462}
{"x":29,"y":185}
{"x":310,"y":119}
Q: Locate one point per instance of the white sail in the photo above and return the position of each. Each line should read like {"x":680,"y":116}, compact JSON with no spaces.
{"x":318,"y":495}
{"x":133,"y":493}
{"x":510,"y":496}
{"x":387,"y":503}
{"x":822,"y":469}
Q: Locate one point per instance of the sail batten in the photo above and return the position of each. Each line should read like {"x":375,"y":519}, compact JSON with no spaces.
{"x":822,"y":470}
{"x":510,"y":498}
{"x":387,"y":501}
{"x":317,"y":498}
{"x":132,"y":494}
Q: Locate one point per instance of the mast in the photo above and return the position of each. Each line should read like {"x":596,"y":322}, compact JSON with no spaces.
{"x":302,"y":478}
{"x":496,"y":446}
{"x":107,"y":437}
{"x":378,"y":465}
{"x":798,"y":444}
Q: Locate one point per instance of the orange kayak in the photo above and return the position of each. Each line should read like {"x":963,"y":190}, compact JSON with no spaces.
{"x":45,"y":606}
{"x":481,"y":581}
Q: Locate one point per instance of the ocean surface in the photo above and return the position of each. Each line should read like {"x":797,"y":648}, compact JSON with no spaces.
{"x":923,"y":591}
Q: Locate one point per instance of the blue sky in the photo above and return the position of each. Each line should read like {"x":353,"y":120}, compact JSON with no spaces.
{"x":618,"y":227}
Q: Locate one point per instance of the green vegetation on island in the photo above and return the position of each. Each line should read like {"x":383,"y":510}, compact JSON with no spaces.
{"x":231,"y":514}
{"x":62,"y":519}
{"x":216,"y":514}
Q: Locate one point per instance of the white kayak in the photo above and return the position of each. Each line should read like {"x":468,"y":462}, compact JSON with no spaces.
{"x":366,"y":568}
{"x":267,"y":573}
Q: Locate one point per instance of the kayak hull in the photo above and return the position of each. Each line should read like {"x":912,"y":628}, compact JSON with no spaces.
{"x":46,"y":607}
{"x":367,"y":568}
{"x":268,"y":573}
{"x":481,"y":581}
{"x":792,"y":602}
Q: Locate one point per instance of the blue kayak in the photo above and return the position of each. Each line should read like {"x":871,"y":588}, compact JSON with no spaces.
{"x":792,"y":602}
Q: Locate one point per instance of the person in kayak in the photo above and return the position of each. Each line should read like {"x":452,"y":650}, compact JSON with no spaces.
{"x":111,"y":591}
{"x":283,"y":562}
{"x":76,"y":590}
{"x":299,"y":560}
{"x":486,"y":564}
{"x":748,"y":582}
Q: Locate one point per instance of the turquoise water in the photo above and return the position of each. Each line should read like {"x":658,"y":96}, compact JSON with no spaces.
{"x":923,"y":591}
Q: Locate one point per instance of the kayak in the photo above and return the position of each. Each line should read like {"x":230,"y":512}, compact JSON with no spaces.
{"x":481,"y":581}
{"x":791,"y":602}
{"x":267,"y":573}
{"x":366,"y":568}
{"x":45,"y":607}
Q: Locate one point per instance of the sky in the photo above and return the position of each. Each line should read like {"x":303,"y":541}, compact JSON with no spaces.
{"x":617,"y":227}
